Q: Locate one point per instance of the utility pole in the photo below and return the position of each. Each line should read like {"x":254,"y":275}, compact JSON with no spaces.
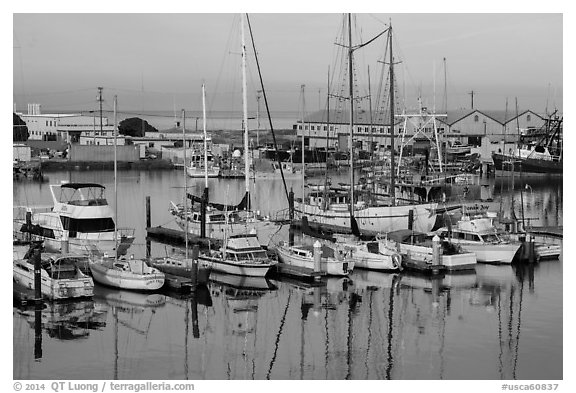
{"x":472,"y":95}
{"x":99,"y":98}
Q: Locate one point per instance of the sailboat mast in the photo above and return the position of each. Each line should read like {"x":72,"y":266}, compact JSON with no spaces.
{"x":350,"y":136}
{"x":185,"y":180}
{"x":115,"y":181}
{"x":205,"y":136}
{"x":392,"y":185}
{"x":303,"y":127}
{"x":245,"y":112}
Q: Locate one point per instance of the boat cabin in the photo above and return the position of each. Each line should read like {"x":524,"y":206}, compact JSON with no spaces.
{"x":82,"y":194}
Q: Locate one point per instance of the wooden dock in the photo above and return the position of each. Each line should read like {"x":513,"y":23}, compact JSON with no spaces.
{"x":177,"y":237}
{"x":423,"y":267}
{"x":301,"y":273}
{"x":556,"y":232}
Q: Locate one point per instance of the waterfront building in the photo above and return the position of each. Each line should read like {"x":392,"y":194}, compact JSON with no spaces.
{"x":472,"y":127}
{"x":67,"y":127}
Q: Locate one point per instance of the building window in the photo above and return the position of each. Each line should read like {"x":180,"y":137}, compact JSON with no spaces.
{"x":331,"y":128}
{"x":306,"y":128}
{"x":46,"y":123}
{"x":325,"y":128}
{"x":311,"y":128}
{"x":528,"y":118}
{"x":476,"y":118}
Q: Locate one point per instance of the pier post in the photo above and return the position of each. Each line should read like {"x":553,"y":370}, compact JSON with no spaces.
{"x":148,"y":225}
{"x":410,"y":219}
{"x":436,"y":250}
{"x":532,"y":250}
{"x":148,"y":218}
{"x":317,"y":257}
{"x":194,"y":267}
{"x":291,"y":205}
{"x":203,"y":205}
{"x":37,"y":259}
{"x":28,"y":226}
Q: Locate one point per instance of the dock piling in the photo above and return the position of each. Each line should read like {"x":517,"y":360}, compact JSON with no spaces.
{"x":436,"y":250}
{"x":37,"y":259}
{"x":148,"y":225}
{"x":291,"y":205}
{"x":194,"y":267}
{"x":317,"y":257}
{"x":410,"y":219}
{"x":28,"y":226}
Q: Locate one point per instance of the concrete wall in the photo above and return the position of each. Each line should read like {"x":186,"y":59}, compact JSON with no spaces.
{"x":128,"y":153}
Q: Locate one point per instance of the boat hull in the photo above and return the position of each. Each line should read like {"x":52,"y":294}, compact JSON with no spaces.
{"x":55,"y":289}
{"x":364,"y":259}
{"x":126,"y":280}
{"x":528,"y":166}
{"x":329,"y":266}
{"x":492,"y":253}
{"x":239,"y":269}
{"x":377,"y":219}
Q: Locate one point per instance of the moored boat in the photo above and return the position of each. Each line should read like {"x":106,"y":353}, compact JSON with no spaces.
{"x":417,"y":250}
{"x":241,"y":255}
{"x":335,"y":260}
{"x":373,"y":255}
{"x":80,"y":216}
{"x":124,"y":273}
{"x":478,"y":235}
{"x":60,"y":278}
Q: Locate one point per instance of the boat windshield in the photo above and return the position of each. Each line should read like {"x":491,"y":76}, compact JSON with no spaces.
{"x":490,"y":238}
{"x":83,"y":196}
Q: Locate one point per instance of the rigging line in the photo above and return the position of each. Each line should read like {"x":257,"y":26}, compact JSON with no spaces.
{"x":267,"y":108}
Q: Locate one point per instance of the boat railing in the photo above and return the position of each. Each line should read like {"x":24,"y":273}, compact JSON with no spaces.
{"x":281,"y":216}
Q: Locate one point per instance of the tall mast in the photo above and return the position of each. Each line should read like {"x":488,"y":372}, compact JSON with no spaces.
{"x":350,"y":136}
{"x":392,"y":186}
{"x":245,"y":110}
{"x":115,"y":178}
{"x":205,"y":136}
{"x":303,"y":166}
{"x":325,"y":193}
{"x":185,"y":180}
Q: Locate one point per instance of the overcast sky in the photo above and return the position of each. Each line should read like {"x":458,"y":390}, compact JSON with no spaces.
{"x":158,"y":61}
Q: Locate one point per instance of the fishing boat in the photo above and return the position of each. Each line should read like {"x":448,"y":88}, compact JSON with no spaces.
{"x":543,"y":157}
{"x":242,"y":255}
{"x":418,"y":252}
{"x":372,"y":255}
{"x":478,"y":235}
{"x":60,"y":278}
{"x":335,"y":260}
{"x":457,"y":148}
{"x":198,"y":169}
{"x":81,"y":216}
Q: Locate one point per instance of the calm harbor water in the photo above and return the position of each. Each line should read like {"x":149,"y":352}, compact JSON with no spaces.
{"x":498,"y":322}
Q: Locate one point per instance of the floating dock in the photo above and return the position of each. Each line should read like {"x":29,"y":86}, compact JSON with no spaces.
{"x":556,"y":232}
{"x":423,"y":267}
{"x":177,"y":237}
{"x":301,"y":273}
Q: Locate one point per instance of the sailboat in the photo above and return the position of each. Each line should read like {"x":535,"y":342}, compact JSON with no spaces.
{"x":242,"y":253}
{"x":342,"y":212}
{"x":223,"y":220}
{"x":176,"y":265}
{"x":123,"y":273}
